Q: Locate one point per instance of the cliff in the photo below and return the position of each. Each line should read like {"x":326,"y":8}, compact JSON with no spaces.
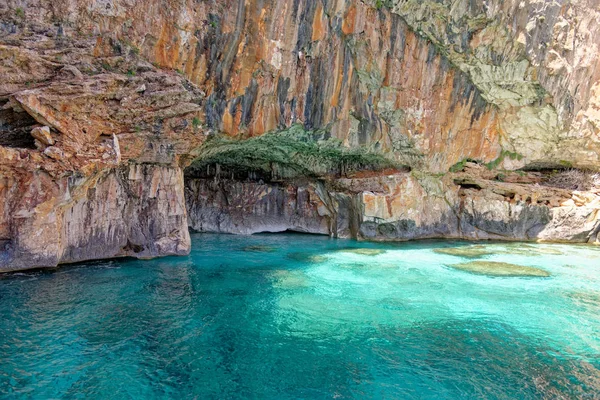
{"x":123,"y":122}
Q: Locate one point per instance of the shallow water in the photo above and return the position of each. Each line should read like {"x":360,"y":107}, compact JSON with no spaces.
{"x":297,"y":316}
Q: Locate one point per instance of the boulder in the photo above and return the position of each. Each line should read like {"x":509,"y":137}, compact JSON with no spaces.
{"x":55,"y":153}
{"x":42,"y":134}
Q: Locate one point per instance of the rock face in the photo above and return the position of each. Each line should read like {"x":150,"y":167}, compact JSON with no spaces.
{"x":253,"y":207}
{"x":429,"y":82}
{"x":403,"y":206}
{"x":90,"y":162}
{"x":402,"y":119}
{"x":131,"y":211}
{"x":249,"y":207}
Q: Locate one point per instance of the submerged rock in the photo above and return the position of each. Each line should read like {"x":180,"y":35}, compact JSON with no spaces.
{"x":286,"y":279}
{"x":525,"y":250}
{"x":260,"y":249}
{"x":370,"y":266}
{"x":364,"y":252}
{"x":494,"y":268}
{"x":306,"y":257}
{"x":548,"y":250}
{"x":529,"y":250}
{"x":466,"y":251}
{"x":482,"y":251}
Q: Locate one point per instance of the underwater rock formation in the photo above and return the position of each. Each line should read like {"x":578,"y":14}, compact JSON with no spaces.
{"x":381,"y":120}
{"x":493,"y":268}
{"x":465,"y":251}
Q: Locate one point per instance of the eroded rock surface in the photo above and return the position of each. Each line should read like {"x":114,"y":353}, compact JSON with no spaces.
{"x":402,"y":206}
{"x":251,"y":207}
{"x":135,"y":211}
{"x":102,"y":174}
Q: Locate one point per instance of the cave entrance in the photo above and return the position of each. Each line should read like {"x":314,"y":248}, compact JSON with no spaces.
{"x":226,"y":172}
{"x":15,"y":127}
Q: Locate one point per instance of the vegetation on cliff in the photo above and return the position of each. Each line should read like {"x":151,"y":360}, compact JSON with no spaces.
{"x":288,"y":153}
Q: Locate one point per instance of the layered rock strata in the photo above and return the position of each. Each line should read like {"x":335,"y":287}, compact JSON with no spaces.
{"x":92,"y":153}
{"x":427,"y":82}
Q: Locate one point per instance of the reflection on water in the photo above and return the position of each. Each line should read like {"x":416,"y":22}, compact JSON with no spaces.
{"x":295,"y":316}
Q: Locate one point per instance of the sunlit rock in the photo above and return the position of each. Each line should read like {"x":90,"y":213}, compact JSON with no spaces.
{"x":43,"y":135}
{"x":54,"y":153}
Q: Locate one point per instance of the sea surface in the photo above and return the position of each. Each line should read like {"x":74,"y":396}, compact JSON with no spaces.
{"x":288,"y":316}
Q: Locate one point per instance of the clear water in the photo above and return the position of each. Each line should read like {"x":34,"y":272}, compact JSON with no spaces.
{"x":236,"y":322}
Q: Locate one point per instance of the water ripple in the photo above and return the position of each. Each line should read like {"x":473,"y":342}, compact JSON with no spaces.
{"x":305,"y":320}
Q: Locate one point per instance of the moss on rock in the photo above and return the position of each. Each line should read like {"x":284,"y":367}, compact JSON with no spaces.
{"x":289,"y":153}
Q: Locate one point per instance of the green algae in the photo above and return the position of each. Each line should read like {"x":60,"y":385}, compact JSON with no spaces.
{"x":288,"y":153}
{"x":500,"y":269}
{"x":503,"y":154}
{"x":460,"y":166}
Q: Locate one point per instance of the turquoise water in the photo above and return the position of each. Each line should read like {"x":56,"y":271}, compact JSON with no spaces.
{"x":295,"y":316}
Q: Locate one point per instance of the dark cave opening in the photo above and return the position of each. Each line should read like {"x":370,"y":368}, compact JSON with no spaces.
{"x":15,"y":128}
{"x":227,"y":172}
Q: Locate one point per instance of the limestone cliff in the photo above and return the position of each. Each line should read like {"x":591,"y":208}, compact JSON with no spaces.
{"x":387,"y":120}
{"x":92,"y":148}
